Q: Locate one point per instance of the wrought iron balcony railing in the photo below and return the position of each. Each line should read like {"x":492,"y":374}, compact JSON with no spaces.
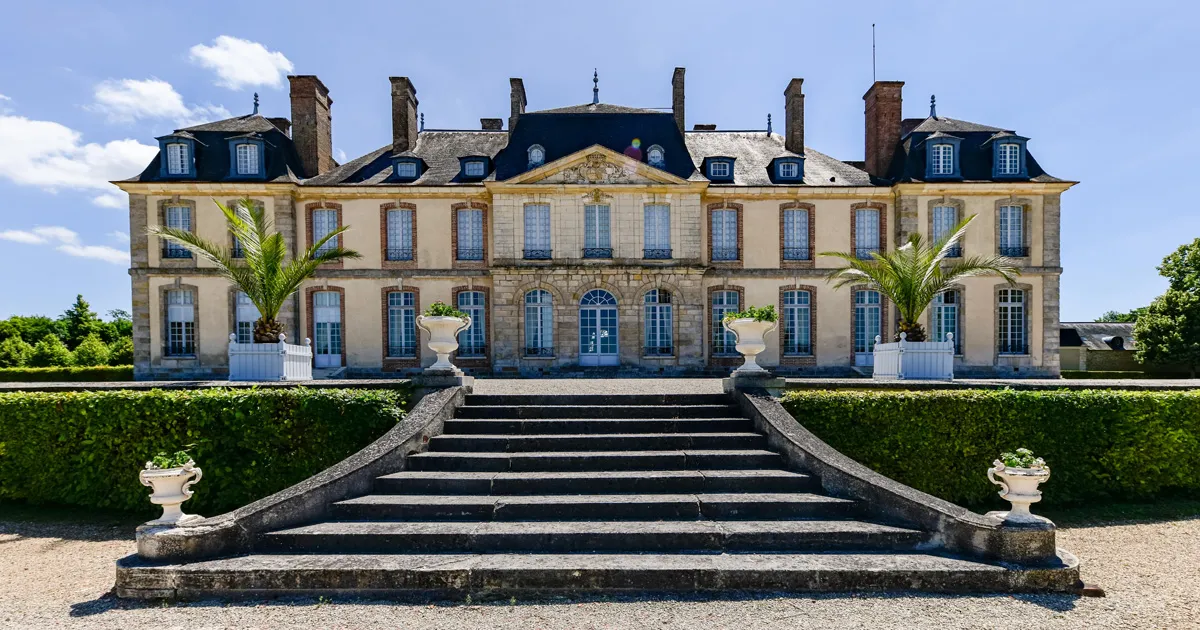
{"x":597,"y":252}
{"x":539,"y":352}
{"x":797,"y":253}
{"x":1014,"y":251}
{"x":656,"y":253}
{"x":1013,"y":348}
{"x":471,"y":350}
{"x":175,"y":252}
{"x":470,"y":254}
{"x":538,"y":254}
{"x":724,"y":253}
{"x":237,"y":252}
{"x":402,"y":350}
{"x":797,"y":350}
{"x":399,"y":253}
{"x":659,"y":351}
{"x":955,"y":252}
{"x":864,"y":253}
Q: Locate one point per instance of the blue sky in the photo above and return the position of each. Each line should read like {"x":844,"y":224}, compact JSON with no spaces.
{"x":1107,"y":91}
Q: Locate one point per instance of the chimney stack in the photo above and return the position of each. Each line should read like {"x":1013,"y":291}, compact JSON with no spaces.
{"x":518,"y":100}
{"x":883,"y":118}
{"x":677,"y":98}
{"x":404,"y":115}
{"x":312,"y":123}
{"x":491,"y":124}
{"x":281,"y":124}
{"x":793,"y":115}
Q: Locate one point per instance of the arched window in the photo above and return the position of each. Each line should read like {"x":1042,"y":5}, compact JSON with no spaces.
{"x":655,"y":156}
{"x":598,"y":297}
{"x":537,"y":155}
{"x":658,"y":323}
{"x":539,"y":324}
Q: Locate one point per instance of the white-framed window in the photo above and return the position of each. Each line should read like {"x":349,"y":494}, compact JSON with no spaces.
{"x":539,"y":324}
{"x":1008,"y":159}
{"x":247,"y":158}
{"x":324,"y":221}
{"x":537,"y":155}
{"x":946,"y":317}
{"x":1010,"y":321}
{"x":725,"y":234}
{"x":658,"y":323}
{"x":472,"y":341}
{"x":596,"y":232}
{"x":400,"y":234}
{"x":797,"y":323}
{"x":866,"y":232}
{"x":402,"y":324}
{"x":795,"y":234}
{"x":181,"y":323}
{"x":1012,"y":226}
{"x":406,"y":170}
{"x":655,"y":156}
{"x":943,"y":159}
{"x":537,"y":231}
{"x":656,"y":225}
{"x":718,"y":169}
{"x":789,"y":170}
{"x":244,"y":316}
{"x":944,"y":220}
{"x":470,"y":234}
{"x":868,"y":310}
{"x":178,"y":160}
{"x":723,"y":341}
{"x":180,"y":218}
{"x":474,"y":168}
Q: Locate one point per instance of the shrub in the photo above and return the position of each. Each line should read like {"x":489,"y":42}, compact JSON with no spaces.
{"x":50,"y":352}
{"x":91,"y":351}
{"x":67,"y":374}
{"x":1101,"y":444}
{"x":86,"y":448}
{"x":14,"y":352}
{"x":120,"y":352}
{"x":757,"y":313}
{"x":441,"y":309}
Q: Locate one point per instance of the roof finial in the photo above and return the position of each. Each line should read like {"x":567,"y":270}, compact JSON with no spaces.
{"x":595,"y":86}
{"x":768,"y":124}
{"x":933,"y":106}
{"x":422,"y":121}
{"x":256,"y":103}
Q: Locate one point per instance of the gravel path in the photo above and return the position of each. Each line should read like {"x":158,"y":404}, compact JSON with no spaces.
{"x":57,"y":575}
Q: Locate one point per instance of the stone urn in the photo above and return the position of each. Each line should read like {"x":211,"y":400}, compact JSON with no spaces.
{"x":443,"y":338}
{"x":751,"y":340}
{"x":1019,"y":486}
{"x":171,"y":487}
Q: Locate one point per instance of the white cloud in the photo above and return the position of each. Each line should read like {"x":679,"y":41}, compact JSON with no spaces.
{"x":4,"y":104}
{"x":67,"y":242}
{"x":341,"y":156}
{"x":242,"y":63}
{"x":120,"y":236}
{"x":116,"y":200}
{"x":129,"y":100}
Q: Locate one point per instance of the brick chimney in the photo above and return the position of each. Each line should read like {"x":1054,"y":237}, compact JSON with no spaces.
{"x":312,"y":123}
{"x":281,"y":124}
{"x":793,"y":112}
{"x":404,"y":115}
{"x":677,"y":97}
{"x":491,"y":124}
{"x":518,"y":100}
{"x":883,"y":117}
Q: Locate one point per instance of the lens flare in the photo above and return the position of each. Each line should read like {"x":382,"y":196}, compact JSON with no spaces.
{"x":637,"y":143}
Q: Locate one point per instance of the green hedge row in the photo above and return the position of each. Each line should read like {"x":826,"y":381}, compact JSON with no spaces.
{"x":1093,"y":374}
{"x":1120,"y":445}
{"x":74,"y":374}
{"x":86,"y":448}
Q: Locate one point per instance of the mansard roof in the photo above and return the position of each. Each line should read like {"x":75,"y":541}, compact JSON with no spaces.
{"x":597,"y":108}
{"x":440,"y":150}
{"x":212,"y":151}
{"x":975,"y":150}
{"x":755,"y":150}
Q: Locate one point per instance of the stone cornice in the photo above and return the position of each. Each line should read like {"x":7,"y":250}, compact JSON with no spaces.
{"x":981,"y":188}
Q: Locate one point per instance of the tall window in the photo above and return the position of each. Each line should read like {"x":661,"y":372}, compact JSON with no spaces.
{"x":471,"y":342}
{"x":943,"y":159}
{"x":402,"y":324}
{"x":658,"y":323}
{"x":797,"y":327}
{"x":723,"y":341}
{"x":866,"y":232}
{"x":470,"y":234}
{"x":245,"y":314}
{"x":181,"y":323}
{"x":945,"y":317}
{"x":178,"y":159}
{"x":539,"y":324}
{"x":1012,"y":225}
{"x":795,"y":234}
{"x":180,"y":218}
{"x":596,"y":233}
{"x":1008,"y":159}
{"x":944,"y":220}
{"x":868,"y":311}
{"x":724,"y":234}
{"x":324,"y":221}
{"x":247,"y":159}
{"x":1010,"y":316}
{"x":657,"y":227}
{"x":400,"y":234}
{"x":537,"y":231}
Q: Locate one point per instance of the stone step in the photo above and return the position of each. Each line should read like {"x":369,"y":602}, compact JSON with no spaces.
{"x":595,"y":460}
{"x":596,"y":442}
{"x":588,"y":536}
{"x":597,"y":425}
{"x":498,"y":412}
{"x":606,"y":507}
{"x":596,"y":482}
{"x":455,"y":575}
{"x":595,"y":399}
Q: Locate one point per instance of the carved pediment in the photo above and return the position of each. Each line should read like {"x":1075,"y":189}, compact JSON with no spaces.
{"x":596,"y":169}
{"x":596,"y":166}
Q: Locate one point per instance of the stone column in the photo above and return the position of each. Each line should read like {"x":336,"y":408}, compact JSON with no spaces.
{"x":1051,"y":224}
{"x":1051,"y":361}
{"x":139,"y":256}
{"x":284,"y":209}
{"x":906,"y":220}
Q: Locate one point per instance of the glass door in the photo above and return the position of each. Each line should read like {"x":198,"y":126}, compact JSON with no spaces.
{"x":866,"y":326}
{"x":598,"y":329}
{"x":327,"y":329}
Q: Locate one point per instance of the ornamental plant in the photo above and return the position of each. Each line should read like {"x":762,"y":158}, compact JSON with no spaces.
{"x":757,"y":313}
{"x":262,"y":273}
{"x":91,"y":351}
{"x":916,"y":272}
{"x":1023,"y":458}
{"x":441,"y":309}
{"x":50,"y":352}
{"x":162,"y":460}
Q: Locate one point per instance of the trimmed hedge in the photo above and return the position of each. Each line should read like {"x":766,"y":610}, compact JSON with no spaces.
{"x":74,"y":374}
{"x":86,"y":448}
{"x":1093,"y":374}
{"x":1100,"y":444}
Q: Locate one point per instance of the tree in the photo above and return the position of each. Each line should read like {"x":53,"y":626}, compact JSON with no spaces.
{"x":14,"y":352}
{"x":50,"y":352}
{"x":31,"y":328}
{"x":120,"y":352}
{"x":265,"y":277}
{"x":1169,"y":332}
{"x":121,"y":324}
{"x":1182,"y":267}
{"x":79,"y":321}
{"x":916,"y":272}
{"x":1117,"y":316}
{"x":92,"y":351}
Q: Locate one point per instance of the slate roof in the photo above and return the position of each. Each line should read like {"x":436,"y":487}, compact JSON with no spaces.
{"x":212,"y":151}
{"x":1097,"y":335}
{"x":755,"y":150}
{"x":597,"y":108}
{"x":438,"y":149}
{"x":975,"y":154}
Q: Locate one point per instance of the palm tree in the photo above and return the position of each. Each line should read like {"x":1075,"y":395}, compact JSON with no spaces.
{"x":262,"y":274}
{"x":916,"y":272}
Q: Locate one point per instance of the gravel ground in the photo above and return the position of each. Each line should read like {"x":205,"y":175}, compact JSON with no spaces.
{"x":56,"y":574}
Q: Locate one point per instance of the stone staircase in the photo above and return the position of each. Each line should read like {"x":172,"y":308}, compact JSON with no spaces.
{"x":533,"y":493}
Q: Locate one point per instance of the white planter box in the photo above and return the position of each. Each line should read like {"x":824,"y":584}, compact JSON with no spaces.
{"x":270,"y":361}
{"x":914,"y":360}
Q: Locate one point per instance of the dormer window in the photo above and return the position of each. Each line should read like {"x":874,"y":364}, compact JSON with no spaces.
{"x":537,"y":156}
{"x":789,"y":170}
{"x":1008,"y":156}
{"x":1008,"y":160}
{"x":943,"y":159}
{"x":177,"y":155}
{"x":942,"y":156}
{"x":406,"y":168}
{"x":247,"y":159}
{"x":656,"y":157}
{"x":178,"y":158}
{"x":718,"y":169}
{"x":473,"y":167}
